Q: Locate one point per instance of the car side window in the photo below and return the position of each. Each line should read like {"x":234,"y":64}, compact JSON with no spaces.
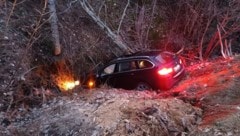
{"x":144,"y":64}
{"x":127,"y":66}
{"x":109,"y":69}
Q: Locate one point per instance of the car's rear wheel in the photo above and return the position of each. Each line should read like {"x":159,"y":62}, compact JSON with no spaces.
{"x":141,"y":86}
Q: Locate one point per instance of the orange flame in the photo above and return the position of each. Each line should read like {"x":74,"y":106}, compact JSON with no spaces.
{"x":66,"y":82}
{"x":64,"y":77}
{"x":68,"y":85}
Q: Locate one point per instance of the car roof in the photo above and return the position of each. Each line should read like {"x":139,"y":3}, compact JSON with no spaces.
{"x":140,"y":55}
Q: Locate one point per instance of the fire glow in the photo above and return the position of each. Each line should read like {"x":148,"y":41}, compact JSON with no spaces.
{"x":91,"y":84}
{"x":66,"y":83}
{"x":64,"y":77}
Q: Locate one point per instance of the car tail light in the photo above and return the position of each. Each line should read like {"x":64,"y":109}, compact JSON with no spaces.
{"x":165,"y":71}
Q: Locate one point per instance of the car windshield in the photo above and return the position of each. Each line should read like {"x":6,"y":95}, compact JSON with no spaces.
{"x":164,"y":57}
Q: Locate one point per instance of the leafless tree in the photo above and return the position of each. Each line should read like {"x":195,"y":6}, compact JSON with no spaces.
{"x":129,"y":25}
{"x":143,"y":24}
{"x":227,"y":24}
{"x":207,"y":26}
{"x":54,"y":26}
{"x":115,"y":37}
{"x":203,"y":26}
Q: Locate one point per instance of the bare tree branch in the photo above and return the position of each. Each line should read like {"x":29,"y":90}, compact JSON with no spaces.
{"x":116,"y":38}
{"x":221,"y":43}
{"x":123,"y":15}
{"x":151,"y":20}
{"x":139,"y":26}
{"x":13,"y":7}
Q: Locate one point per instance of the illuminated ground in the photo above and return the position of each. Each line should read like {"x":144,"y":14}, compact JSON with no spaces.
{"x":214,"y":87}
{"x":206,"y":102}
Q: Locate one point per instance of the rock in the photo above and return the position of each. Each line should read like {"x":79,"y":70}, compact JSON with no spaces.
{"x":5,"y":37}
{"x":6,"y":122}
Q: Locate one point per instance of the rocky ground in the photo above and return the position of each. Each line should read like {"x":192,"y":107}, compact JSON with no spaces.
{"x":205,"y":102}
{"x":107,"y":112}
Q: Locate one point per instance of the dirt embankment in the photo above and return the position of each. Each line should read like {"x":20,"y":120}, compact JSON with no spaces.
{"x":108,"y":112}
{"x":205,"y":102}
{"x":214,"y":87}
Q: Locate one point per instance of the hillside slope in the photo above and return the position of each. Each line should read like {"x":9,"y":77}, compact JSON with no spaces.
{"x":205,"y":102}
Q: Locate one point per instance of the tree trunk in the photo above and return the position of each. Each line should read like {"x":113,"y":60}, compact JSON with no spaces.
{"x":54,"y":27}
{"x":116,"y":38}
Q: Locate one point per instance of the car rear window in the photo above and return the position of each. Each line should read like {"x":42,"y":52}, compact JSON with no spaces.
{"x":126,"y":66}
{"x":164,"y":57}
{"x":144,"y":64}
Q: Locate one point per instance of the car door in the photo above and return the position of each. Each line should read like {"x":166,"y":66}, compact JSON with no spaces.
{"x":125,"y":74}
{"x":146,"y":72}
{"x":107,"y":75}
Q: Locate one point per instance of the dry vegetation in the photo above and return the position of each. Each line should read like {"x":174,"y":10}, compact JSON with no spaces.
{"x":29,"y":72}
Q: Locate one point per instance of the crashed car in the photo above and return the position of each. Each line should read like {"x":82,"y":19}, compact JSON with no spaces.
{"x":145,"y":70}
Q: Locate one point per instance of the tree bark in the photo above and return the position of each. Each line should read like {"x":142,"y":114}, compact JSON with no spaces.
{"x":54,"y":27}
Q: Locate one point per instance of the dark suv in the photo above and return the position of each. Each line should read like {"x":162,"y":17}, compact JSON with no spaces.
{"x":142,"y":71}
